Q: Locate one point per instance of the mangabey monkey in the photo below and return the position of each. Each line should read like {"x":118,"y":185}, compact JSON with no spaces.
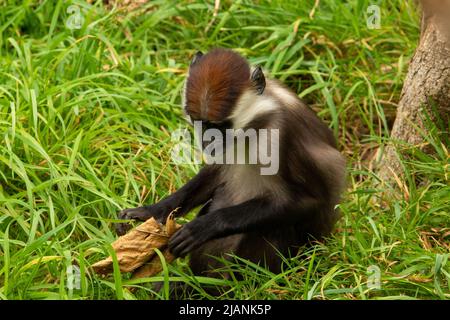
{"x":251,"y":215}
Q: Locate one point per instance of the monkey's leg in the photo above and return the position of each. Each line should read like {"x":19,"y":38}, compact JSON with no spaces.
{"x":249,"y":216}
{"x":197,"y":191}
{"x":265,"y":249}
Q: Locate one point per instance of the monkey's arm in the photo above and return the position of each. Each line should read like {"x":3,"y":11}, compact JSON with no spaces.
{"x":196,"y":192}
{"x":247,"y":216}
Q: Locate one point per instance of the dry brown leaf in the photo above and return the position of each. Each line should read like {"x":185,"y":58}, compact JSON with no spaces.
{"x":153,"y":267}
{"x":135,"y":250}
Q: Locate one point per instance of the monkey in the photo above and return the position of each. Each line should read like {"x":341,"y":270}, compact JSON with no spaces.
{"x":243,"y":212}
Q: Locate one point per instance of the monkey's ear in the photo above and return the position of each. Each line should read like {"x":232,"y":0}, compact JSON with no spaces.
{"x":196,"y":57}
{"x":258,"y":80}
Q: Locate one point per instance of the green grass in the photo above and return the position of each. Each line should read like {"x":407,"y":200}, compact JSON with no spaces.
{"x":85,"y":122}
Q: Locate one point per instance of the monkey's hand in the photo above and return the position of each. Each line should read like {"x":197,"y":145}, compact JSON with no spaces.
{"x":192,"y":235}
{"x":160,"y":213}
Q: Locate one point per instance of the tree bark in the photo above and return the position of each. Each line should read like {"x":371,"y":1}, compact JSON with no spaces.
{"x":427,"y":82}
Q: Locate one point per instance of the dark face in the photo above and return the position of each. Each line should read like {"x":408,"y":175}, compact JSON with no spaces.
{"x":221,"y":126}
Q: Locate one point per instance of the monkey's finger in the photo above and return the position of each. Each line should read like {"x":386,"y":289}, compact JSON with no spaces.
{"x":175,"y":245}
{"x":188,"y":247}
{"x":122,"y":228}
{"x":179,"y":241}
{"x":140,"y":213}
{"x":178,"y":250}
{"x":179,"y":236}
{"x":175,"y":239}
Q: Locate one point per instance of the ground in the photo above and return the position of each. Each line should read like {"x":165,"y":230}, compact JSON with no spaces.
{"x":87,"y":107}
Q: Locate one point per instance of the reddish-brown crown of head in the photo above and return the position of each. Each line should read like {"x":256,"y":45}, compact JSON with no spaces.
{"x":214,"y":84}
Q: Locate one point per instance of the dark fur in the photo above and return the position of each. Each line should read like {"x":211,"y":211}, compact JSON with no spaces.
{"x":311,"y":178}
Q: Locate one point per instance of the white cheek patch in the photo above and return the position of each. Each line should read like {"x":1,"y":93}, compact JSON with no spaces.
{"x":287,"y":97}
{"x":183,"y":95}
{"x":250,"y":106}
{"x":183,"y":104}
{"x":284,"y":95}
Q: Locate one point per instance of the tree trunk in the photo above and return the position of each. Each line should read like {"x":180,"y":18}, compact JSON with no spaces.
{"x":427,"y":83}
